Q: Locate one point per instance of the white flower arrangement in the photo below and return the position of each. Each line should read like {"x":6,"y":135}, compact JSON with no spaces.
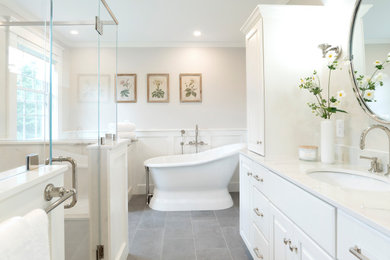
{"x":368,"y":85}
{"x":323,"y":108}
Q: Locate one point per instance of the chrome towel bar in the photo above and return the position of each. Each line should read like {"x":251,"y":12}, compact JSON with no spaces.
{"x":51,"y":192}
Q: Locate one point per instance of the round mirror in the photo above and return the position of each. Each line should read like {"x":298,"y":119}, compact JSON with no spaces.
{"x":370,"y":57}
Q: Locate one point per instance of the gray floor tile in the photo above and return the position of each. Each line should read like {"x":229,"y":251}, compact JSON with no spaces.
{"x":147,"y":244}
{"x":181,"y":229}
{"x":177,"y":249}
{"x":232,"y":237}
{"x":227,"y":212}
{"x":240,"y":253}
{"x":138,"y":200}
{"x":209,"y":241}
{"x":206,"y":228}
{"x":184,"y":235}
{"x":213,"y":254}
{"x":229,"y":221}
{"x":202,"y":215}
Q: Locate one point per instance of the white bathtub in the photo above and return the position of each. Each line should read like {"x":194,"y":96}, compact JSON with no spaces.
{"x":194,"y":181}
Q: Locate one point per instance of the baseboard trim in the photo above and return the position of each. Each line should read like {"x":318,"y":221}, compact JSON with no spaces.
{"x":129,"y":193}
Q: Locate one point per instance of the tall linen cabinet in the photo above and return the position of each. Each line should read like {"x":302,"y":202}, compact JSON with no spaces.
{"x":255,"y":83}
{"x":281,"y":47}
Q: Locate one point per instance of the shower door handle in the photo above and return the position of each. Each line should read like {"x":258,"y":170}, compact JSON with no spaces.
{"x":74,"y":177}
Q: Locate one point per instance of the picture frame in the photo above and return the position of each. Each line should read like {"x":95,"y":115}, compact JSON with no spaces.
{"x":126,"y":88}
{"x":190,"y":87}
{"x":88,"y":88}
{"x":158,"y":88}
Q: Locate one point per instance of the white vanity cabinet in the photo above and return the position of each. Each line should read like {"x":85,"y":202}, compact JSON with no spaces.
{"x":356,"y":239}
{"x":245,"y":200}
{"x":280,"y":221}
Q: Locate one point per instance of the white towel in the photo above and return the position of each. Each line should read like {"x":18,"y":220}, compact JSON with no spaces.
{"x":25,"y":237}
{"x":125,"y":127}
{"x":127,"y":135}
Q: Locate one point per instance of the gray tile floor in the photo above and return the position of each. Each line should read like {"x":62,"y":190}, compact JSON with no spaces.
{"x":185,"y":235}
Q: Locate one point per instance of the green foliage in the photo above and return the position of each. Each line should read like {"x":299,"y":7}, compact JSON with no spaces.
{"x":323,"y":108}
{"x":158,"y":93}
{"x":125,"y":93}
{"x":368,"y":85}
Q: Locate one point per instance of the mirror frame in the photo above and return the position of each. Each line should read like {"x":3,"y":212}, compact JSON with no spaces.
{"x":362,"y":104}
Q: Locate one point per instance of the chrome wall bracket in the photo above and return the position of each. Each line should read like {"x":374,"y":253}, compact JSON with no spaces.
{"x":98,"y":25}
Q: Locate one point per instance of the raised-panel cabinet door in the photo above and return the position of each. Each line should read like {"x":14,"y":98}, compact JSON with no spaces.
{"x":282,"y":237}
{"x":255,"y":89}
{"x":308,"y":249}
{"x":245,"y":200}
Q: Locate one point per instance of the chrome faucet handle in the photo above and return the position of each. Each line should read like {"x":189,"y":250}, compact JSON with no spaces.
{"x":376,"y":165}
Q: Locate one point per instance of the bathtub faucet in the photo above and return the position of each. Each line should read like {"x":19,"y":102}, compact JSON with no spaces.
{"x":196,"y":142}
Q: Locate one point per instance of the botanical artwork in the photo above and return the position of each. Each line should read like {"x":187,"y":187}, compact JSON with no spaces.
{"x":190,"y":87}
{"x":126,"y":88}
{"x":158,"y":88}
{"x":88,"y":88}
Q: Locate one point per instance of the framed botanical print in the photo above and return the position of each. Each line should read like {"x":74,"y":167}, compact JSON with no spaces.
{"x":126,"y":88}
{"x":158,"y":88}
{"x":191,"y":87}
{"x":88,"y":88}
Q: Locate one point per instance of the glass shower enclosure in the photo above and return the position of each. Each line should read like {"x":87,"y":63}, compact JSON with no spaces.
{"x":58,"y":64}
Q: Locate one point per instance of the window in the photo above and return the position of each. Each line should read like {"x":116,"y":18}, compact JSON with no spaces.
{"x":29,"y":68}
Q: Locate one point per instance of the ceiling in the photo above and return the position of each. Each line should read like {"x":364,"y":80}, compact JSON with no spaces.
{"x":150,"y":22}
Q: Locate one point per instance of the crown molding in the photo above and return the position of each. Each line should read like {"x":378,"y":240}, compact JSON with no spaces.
{"x":251,"y":21}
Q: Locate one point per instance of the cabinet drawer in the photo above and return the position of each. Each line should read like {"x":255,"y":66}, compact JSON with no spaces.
{"x":261,"y":214}
{"x":260,"y":245}
{"x":315,"y":217}
{"x":259,"y":177}
{"x":353,"y":233}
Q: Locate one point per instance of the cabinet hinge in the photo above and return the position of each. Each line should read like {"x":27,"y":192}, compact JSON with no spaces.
{"x":99,"y":252}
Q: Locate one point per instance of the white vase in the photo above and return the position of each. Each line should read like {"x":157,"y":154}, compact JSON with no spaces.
{"x":327,"y":141}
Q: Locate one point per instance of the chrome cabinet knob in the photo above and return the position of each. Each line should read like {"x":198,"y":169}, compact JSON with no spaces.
{"x":293,"y":248}
{"x":259,"y":142}
{"x":257,"y":178}
{"x":286,"y":241}
{"x":257,"y":253}
{"x":249,"y":173}
{"x":258,"y":213}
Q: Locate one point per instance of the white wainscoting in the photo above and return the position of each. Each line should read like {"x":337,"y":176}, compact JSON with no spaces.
{"x":152,"y":143}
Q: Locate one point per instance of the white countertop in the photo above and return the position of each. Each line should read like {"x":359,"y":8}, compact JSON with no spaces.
{"x":19,"y":179}
{"x":370,"y":207}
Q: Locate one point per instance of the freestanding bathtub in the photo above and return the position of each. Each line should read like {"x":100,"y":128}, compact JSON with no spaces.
{"x":194,"y":181}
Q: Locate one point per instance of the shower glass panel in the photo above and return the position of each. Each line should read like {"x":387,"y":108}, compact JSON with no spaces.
{"x":24,"y":81}
{"x":83,"y":107}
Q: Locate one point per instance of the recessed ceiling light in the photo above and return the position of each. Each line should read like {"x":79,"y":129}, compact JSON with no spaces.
{"x":197,"y":33}
{"x":74,"y":32}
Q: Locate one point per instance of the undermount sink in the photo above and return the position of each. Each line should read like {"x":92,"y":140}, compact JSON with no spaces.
{"x":351,"y":179}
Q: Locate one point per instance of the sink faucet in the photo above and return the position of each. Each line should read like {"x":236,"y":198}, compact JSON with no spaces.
{"x":363,"y":144}
{"x":196,"y":143}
